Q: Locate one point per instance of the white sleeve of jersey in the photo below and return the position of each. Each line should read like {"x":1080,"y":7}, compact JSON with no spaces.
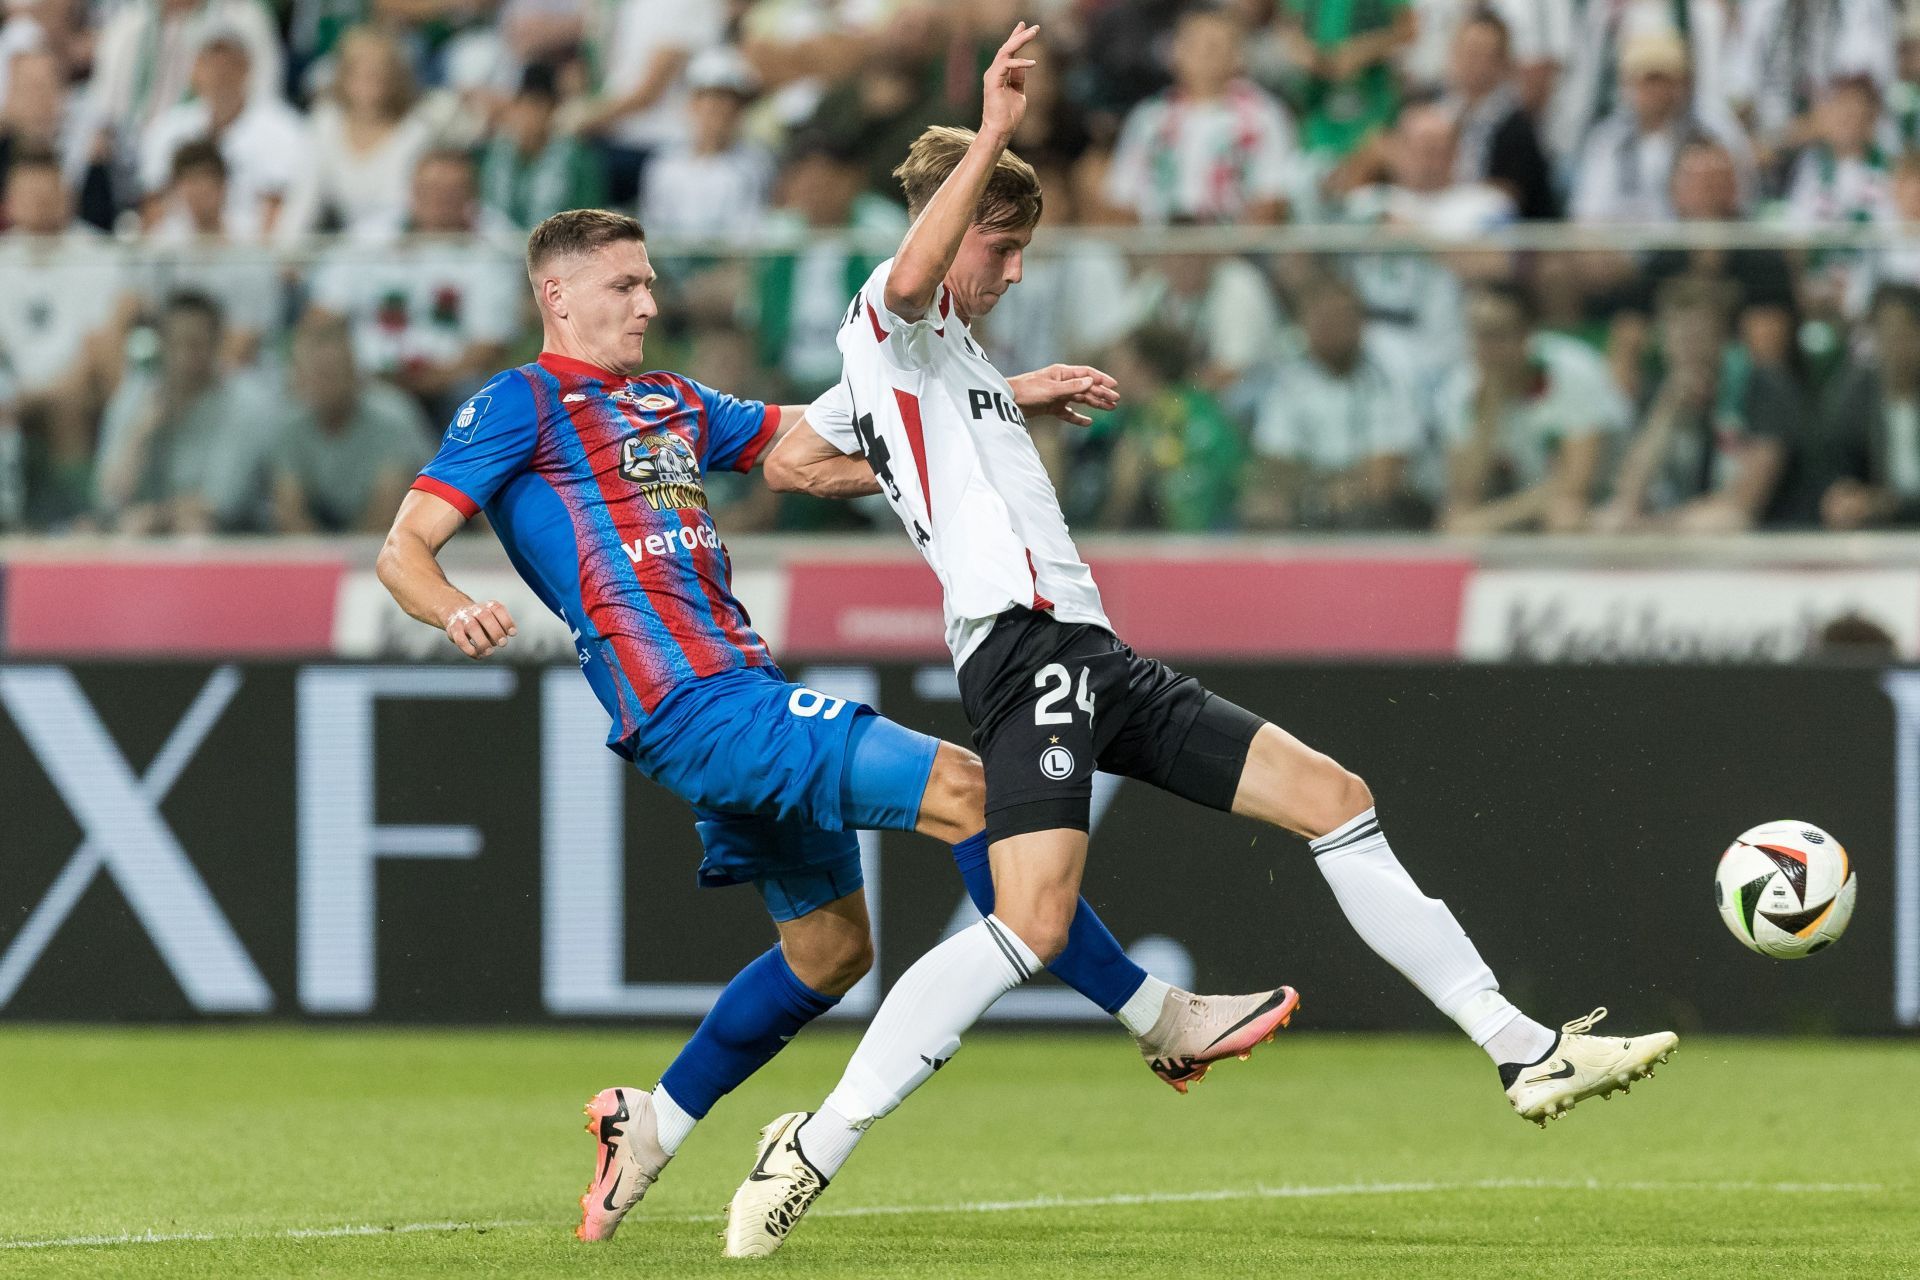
{"x":831,"y":417}
{"x":904,"y":343}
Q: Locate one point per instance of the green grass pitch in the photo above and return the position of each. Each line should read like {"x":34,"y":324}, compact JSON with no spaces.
{"x":348,"y":1152}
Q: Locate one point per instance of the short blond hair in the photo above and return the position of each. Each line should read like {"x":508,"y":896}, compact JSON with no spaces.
{"x":1011,"y":201}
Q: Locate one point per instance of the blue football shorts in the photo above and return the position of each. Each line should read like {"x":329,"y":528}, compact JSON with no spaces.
{"x":781,"y":777}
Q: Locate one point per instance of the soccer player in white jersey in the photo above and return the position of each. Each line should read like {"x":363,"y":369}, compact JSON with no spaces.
{"x":1052,"y":693}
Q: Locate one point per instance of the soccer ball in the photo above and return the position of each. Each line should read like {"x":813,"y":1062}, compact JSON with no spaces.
{"x":1785,"y":889}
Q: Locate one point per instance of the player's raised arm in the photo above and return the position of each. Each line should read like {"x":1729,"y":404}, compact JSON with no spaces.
{"x":409,"y":568}
{"x":934,"y":239}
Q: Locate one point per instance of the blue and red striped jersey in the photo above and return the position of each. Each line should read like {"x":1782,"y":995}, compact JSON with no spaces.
{"x":593,"y":482}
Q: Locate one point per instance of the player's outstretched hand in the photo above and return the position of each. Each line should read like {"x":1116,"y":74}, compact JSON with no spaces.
{"x":1004,"y":87}
{"x":478,"y":629}
{"x":1053,"y":391}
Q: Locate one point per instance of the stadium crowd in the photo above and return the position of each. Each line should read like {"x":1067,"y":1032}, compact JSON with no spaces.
{"x":252,"y":256}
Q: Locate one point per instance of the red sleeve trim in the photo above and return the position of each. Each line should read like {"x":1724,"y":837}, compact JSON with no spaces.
{"x":447,"y":493}
{"x":762,"y":438}
{"x":879,"y":334}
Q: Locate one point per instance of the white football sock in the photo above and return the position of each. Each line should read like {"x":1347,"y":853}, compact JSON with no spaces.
{"x":916,"y":1030}
{"x":1142,"y":1008}
{"x":1414,"y":933}
{"x":673,"y":1122}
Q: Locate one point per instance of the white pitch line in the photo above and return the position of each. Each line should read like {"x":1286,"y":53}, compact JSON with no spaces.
{"x":999,"y":1206}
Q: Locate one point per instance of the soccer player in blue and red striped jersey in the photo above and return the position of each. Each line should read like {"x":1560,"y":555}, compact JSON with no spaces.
{"x":592,"y":476}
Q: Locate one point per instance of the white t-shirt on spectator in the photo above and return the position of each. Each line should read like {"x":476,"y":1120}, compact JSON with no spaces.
{"x":266,"y":151}
{"x":1837,"y":38}
{"x":142,"y":61}
{"x":364,"y":189}
{"x":723,"y":194}
{"x":1573,"y":396}
{"x":1208,"y":161}
{"x":1537,"y":31}
{"x":424,"y":301}
{"x":631,"y":33}
{"x":1826,"y":190}
{"x":243,"y":279}
{"x":1625,"y":175}
{"x":1332,"y":422}
{"x":1235,"y":320}
{"x":52,"y":298}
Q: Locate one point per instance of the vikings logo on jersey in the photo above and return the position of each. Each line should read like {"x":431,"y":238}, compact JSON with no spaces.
{"x":664,"y":467}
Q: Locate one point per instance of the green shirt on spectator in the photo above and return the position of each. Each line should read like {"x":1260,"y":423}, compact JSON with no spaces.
{"x":1339,"y":113}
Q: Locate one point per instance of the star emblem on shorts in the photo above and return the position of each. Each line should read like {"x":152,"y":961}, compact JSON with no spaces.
{"x":1055,"y":739}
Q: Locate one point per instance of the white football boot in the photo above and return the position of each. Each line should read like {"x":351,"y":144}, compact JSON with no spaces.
{"x":627,"y":1158}
{"x":1581,"y":1066}
{"x":1194,"y":1032}
{"x":781,"y":1188}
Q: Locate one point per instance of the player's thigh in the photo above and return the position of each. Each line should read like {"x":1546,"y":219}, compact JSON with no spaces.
{"x":898,"y":779}
{"x":831,"y":946}
{"x":1036,"y":885}
{"x":1289,"y":784}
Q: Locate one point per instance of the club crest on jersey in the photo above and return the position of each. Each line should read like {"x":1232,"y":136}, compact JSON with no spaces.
{"x":652,"y":402}
{"x":664,"y":467}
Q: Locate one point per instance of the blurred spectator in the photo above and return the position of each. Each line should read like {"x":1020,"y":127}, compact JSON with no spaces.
{"x":263,"y":141}
{"x":1706,"y":188}
{"x":367,"y":136}
{"x":37,"y":113}
{"x":640,"y":48}
{"x":145,"y":56}
{"x":1176,"y":456}
{"x":1496,"y":139}
{"x":1413,"y":300}
{"x":1714,"y":431}
{"x":1872,"y":424}
{"x":1842,"y":175}
{"x":191,"y":250}
{"x":1123,"y":55}
{"x":1335,"y":428}
{"x":1213,"y":148}
{"x":345,"y":449}
{"x":63,"y":306}
{"x":840,"y":234}
{"x":1789,"y":53}
{"x":530,"y":170}
{"x":1539,"y":43}
{"x":713,"y":182}
{"x":182,"y":449}
{"x":1528,"y":423}
{"x":1223,"y":304}
{"x":1627,"y":163}
{"x":1899,"y":261}
{"x":1347,"y":50}
{"x":1589,"y":90}
{"x":434,"y":296}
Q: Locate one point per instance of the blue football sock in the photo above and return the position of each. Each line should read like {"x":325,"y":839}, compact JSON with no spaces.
{"x":1094,"y":964}
{"x":762,"y":1008}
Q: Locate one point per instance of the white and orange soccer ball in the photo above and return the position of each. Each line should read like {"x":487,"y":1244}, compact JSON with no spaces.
{"x":1785,"y":889}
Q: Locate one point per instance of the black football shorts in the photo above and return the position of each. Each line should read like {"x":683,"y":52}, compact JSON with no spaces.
{"x":1051,"y":701}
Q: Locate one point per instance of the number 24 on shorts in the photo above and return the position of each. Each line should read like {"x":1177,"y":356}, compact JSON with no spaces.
{"x":1054,"y":682}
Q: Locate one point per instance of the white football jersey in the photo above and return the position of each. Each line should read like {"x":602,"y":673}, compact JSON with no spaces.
{"x":939,"y":427}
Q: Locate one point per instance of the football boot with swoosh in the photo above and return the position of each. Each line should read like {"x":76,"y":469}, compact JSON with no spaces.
{"x":627,"y":1158}
{"x":781,"y":1188}
{"x":1194,"y":1032}
{"x":1581,"y":1066}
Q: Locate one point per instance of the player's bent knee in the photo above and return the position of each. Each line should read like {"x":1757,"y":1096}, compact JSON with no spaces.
{"x":1339,"y":796}
{"x":832,"y":967}
{"x":1043,"y":926}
